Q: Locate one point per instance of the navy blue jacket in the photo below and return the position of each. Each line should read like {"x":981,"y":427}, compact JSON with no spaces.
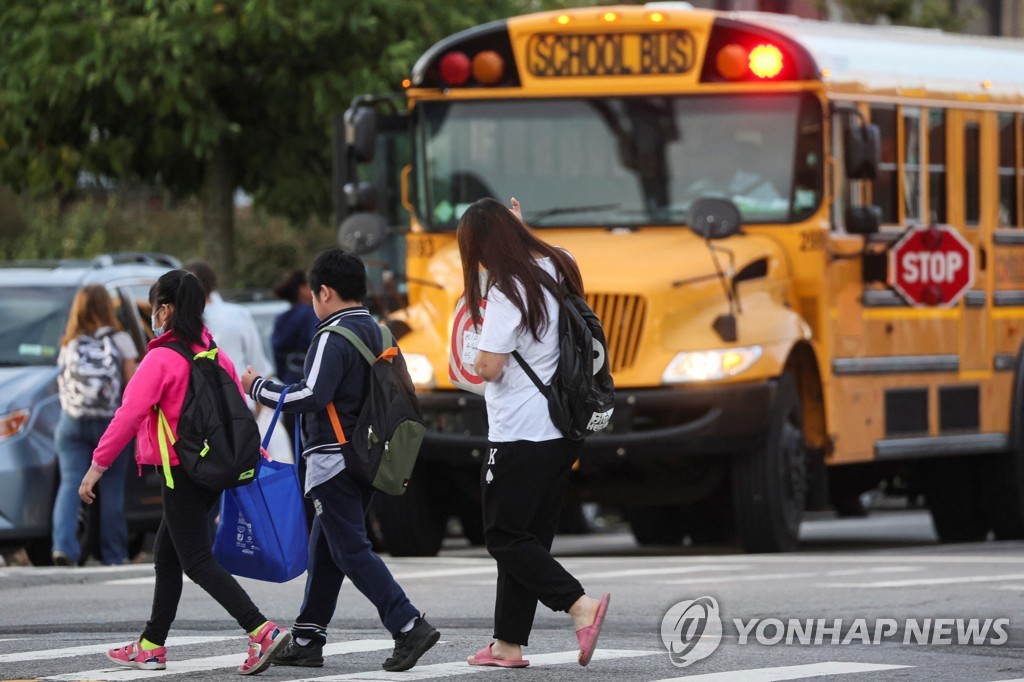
{"x":334,"y":372}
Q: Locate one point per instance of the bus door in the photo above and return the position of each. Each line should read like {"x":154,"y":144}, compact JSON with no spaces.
{"x":972,"y":139}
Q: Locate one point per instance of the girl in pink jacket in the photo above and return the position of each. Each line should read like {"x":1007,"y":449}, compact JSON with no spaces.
{"x":183,"y":543}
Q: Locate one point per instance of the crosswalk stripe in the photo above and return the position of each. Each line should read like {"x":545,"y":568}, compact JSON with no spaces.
{"x":436,"y":670}
{"x":921,"y":582}
{"x":70,"y":651}
{"x":631,"y":573}
{"x":193,"y":665}
{"x":788,"y":672}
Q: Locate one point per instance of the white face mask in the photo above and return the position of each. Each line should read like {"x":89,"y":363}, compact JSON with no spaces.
{"x":157,"y":331}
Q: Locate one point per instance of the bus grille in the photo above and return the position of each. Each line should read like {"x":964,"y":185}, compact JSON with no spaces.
{"x":622,"y":317}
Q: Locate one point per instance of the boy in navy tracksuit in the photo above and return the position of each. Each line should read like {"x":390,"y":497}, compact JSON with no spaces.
{"x":338,"y":544}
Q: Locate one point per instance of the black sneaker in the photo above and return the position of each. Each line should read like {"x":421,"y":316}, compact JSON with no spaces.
{"x":409,"y":646}
{"x":308,"y":656}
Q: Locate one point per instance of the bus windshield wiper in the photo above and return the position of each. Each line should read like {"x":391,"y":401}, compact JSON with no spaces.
{"x":536,"y":218}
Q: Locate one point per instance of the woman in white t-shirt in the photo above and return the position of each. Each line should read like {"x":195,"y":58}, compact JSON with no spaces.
{"x":527,"y":469}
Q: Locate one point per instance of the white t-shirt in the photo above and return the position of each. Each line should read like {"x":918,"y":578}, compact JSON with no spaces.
{"x":516,"y":409}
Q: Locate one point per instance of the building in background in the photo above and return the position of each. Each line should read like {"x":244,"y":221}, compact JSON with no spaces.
{"x":982,"y":17}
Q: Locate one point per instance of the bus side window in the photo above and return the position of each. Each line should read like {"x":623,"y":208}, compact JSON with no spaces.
{"x":972,"y":173}
{"x":884,"y":190}
{"x":913,"y":170}
{"x":1009,"y":197}
{"x":937,"y":165}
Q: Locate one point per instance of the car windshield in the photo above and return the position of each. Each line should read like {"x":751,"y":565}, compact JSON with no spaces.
{"x":622,"y":161}
{"x":32,"y":322}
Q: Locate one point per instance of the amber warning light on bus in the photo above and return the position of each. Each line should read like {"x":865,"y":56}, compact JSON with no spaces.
{"x":742,"y":53}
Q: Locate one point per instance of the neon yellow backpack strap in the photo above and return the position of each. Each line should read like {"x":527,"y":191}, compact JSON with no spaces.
{"x":210,"y":354}
{"x":163,"y":432}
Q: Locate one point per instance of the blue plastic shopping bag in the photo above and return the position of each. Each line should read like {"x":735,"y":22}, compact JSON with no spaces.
{"x":262,"y":531}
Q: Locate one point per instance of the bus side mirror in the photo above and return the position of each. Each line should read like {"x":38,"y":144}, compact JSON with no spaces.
{"x":361,"y":132}
{"x":863,"y":150}
{"x":863,"y":219}
{"x":362,"y":232}
{"x":713,"y":218}
{"x":360,"y":196}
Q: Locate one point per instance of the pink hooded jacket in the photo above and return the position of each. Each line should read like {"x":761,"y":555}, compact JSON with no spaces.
{"x":161,"y":379}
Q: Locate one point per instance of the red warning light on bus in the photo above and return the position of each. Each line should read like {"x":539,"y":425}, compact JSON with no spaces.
{"x":454,"y":68}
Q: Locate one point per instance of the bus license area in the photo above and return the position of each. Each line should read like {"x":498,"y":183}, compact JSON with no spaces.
{"x":560,"y":55}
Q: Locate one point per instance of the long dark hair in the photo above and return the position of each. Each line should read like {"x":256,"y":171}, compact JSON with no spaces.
{"x":181,"y":289}
{"x":491,"y":236}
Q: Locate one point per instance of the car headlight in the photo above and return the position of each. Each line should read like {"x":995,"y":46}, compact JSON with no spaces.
{"x":708,"y":365}
{"x":12,"y":423}
{"x":420,"y":370}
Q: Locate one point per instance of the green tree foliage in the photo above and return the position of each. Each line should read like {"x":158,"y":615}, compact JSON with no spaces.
{"x":944,"y":14}
{"x":203,"y":96}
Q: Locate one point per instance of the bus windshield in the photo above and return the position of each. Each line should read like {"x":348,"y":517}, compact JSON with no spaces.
{"x":622,"y":161}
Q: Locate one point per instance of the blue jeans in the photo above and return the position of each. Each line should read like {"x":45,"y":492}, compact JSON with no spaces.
{"x":76,"y":439}
{"x":338,"y":547}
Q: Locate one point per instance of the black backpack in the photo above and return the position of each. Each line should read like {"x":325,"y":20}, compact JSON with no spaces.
{"x":218,"y":442}
{"x":389,"y":429}
{"x":581,"y":396}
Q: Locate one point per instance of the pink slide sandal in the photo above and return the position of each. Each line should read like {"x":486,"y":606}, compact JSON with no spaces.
{"x":486,"y":657}
{"x":587,"y":637}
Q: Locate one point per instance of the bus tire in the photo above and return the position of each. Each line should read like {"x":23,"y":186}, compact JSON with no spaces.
{"x":952,"y":490}
{"x":410,"y":524}
{"x":770,"y":480}
{"x":655,"y":525}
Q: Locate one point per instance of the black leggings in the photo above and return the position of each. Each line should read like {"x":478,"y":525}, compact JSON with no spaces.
{"x":183,"y":543}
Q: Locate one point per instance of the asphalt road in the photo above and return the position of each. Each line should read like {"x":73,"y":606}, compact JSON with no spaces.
{"x":865,"y":599}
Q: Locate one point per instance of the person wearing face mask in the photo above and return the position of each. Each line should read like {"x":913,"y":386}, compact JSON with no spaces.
{"x":183,"y":542}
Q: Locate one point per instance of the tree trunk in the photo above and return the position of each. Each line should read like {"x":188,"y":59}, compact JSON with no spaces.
{"x":218,"y":199}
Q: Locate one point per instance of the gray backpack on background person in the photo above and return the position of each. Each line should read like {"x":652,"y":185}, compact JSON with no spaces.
{"x":91,"y":377}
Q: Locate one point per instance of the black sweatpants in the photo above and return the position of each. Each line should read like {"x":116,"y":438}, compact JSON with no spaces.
{"x":523,"y":485}
{"x":183,"y":544}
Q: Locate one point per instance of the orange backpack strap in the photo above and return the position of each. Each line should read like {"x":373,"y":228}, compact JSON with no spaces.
{"x":333,"y":414}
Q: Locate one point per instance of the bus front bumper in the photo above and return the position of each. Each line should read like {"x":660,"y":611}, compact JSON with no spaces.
{"x":658,"y":424}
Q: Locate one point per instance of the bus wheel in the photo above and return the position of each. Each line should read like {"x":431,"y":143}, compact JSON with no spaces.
{"x":410,"y":524}
{"x":952,"y":489}
{"x":1002,"y":486}
{"x":656,"y":525}
{"x":770,"y":481}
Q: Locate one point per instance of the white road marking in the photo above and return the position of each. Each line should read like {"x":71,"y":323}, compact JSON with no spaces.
{"x":437,"y":670}
{"x":921,"y":582}
{"x":195,"y":665}
{"x":446,"y":572}
{"x":99,"y":648}
{"x":788,"y":672}
{"x":736,"y":578}
{"x":630,"y":573}
{"x":76,"y":571}
{"x":880,"y":569}
{"x":144,"y":580}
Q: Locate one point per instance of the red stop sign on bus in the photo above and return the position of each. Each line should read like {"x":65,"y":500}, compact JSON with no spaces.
{"x":931,"y":266}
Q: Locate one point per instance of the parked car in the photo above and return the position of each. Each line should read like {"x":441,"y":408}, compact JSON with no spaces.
{"x":35,"y":300}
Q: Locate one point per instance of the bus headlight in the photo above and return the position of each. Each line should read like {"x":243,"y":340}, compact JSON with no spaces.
{"x":420,"y":370}
{"x":708,"y":365}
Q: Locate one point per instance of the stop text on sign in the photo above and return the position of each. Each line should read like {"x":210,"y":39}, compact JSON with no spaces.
{"x":931,"y":266}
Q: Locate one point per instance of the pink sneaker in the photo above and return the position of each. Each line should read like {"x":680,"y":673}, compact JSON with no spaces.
{"x":262,"y":647}
{"x":133,"y":656}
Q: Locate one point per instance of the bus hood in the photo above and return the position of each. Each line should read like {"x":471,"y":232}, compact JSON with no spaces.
{"x":621,"y":261}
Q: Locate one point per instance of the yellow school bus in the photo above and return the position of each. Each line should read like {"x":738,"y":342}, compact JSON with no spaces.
{"x":803,"y":239}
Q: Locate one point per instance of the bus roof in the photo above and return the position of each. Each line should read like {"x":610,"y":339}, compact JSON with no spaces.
{"x":904,"y":58}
